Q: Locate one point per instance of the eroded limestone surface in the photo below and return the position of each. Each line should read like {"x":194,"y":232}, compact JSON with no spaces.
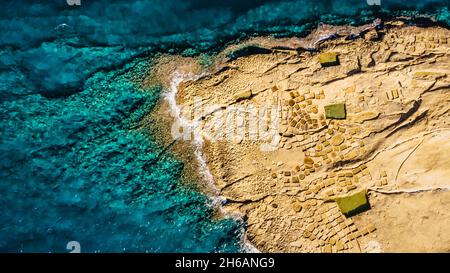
{"x":393,"y":141}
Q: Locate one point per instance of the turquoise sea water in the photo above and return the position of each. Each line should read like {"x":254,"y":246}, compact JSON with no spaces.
{"x":74,"y":166}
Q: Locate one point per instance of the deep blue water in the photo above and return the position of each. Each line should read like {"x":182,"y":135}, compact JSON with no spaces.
{"x":73,"y":166}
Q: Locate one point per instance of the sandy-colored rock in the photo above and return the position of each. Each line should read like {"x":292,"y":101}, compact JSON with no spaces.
{"x":364,"y":116}
{"x":395,"y":140}
{"x":428,"y":75}
{"x":337,"y":140}
{"x":308,"y":161}
{"x":297,"y":207}
{"x":244,"y":95}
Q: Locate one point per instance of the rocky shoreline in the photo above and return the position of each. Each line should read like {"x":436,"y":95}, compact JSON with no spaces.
{"x":388,"y":87}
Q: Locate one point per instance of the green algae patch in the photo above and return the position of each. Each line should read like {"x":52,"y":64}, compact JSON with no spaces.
{"x":335,"y":111}
{"x":353,"y":204}
{"x":328,"y":59}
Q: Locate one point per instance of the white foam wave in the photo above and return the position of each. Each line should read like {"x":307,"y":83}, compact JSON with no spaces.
{"x":198,"y":142}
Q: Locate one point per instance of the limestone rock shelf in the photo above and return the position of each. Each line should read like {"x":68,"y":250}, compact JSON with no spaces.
{"x":372,"y":116}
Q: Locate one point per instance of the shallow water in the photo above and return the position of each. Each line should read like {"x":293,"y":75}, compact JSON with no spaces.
{"x":72,"y":166}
